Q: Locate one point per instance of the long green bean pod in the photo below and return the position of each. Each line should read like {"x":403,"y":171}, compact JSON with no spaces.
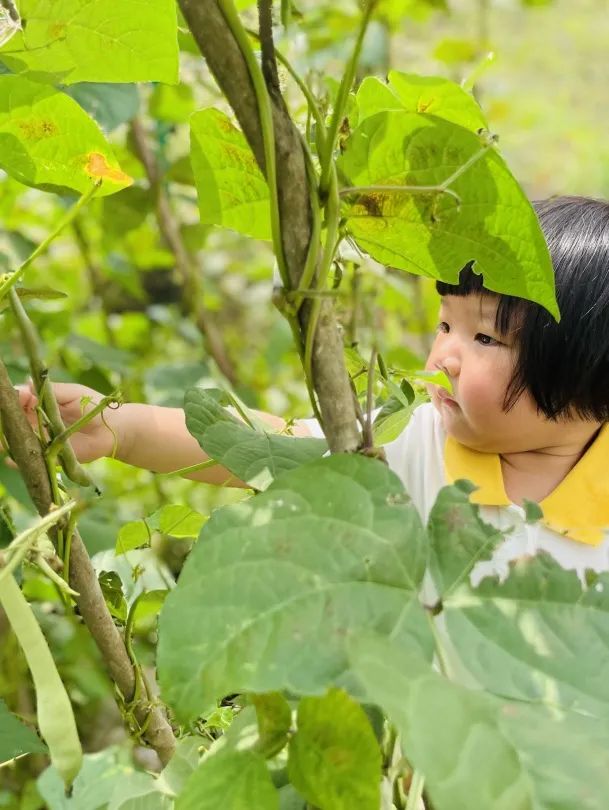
{"x":53,"y":708}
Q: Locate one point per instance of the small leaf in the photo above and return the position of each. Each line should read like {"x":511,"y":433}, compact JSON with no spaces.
{"x":177,"y":521}
{"x":334,"y":758}
{"x":112,"y":589}
{"x":240,"y":778}
{"x":532,"y":511}
{"x":134,"y":534}
{"x":434,"y":378}
{"x":429,"y":95}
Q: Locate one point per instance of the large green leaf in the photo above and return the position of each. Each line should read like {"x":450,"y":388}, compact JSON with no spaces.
{"x":47,"y":140}
{"x":16,"y":738}
{"x":431,"y":95}
{"x":477,"y":751}
{"x":334,"y":758}
{"x":277,"y":584}
{"x":537,"y":636}
{"x":232,"y":780}
{"x":231,"y":188}
{"x":431,"y":233}
{"x":94,"y":41}
{"x":255,"y":457}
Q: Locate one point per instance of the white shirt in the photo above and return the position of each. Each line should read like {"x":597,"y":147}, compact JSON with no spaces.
{"x":575,"y":524}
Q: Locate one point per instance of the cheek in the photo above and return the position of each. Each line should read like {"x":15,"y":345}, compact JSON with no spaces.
{"x":483,"y":387}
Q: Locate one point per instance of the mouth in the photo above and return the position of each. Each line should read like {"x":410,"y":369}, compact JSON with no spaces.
{"x":444,"y":397}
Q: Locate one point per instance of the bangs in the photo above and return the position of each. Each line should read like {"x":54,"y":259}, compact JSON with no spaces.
{"x":511,"y":311}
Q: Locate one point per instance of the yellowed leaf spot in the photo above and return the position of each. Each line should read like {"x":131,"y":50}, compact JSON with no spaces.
{"x":97,"y":166}
{"x":423,"y":106}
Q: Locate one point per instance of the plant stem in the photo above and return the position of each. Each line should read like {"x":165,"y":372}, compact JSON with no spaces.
{"x":327,"y":159}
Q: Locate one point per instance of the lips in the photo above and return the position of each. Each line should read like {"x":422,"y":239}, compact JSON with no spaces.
{"x":443,"y":396}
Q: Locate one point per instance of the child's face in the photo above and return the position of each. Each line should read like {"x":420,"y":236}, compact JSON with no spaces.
{"x":479,"y":363}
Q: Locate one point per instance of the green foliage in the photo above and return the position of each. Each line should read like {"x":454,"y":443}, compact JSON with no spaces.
{"x":16,"y":738}
{"x":232,"y":189}
{"x":433,"y":233}
{"x":307,"y":598}
{"x":334,"y":758}
{"x":82,"y":41}
{"x":331,"y":549}
{"x":253,"y":456}
{"x":236,"y":776}
{"x":47,"y":140}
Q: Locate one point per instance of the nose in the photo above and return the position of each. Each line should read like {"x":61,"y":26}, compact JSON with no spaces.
{"x":444,"y":356}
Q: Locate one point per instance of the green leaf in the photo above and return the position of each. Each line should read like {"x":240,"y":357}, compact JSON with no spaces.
{"x":88,"y":41}
{"x":231,"y":188}
{"x":252,"y":456}
{"x":172,"y":103}
{"x":393,"y":418}
{"x":16,"y":738}
{"x":334,"y":759}
{"x":539,"y":636}
{"x":109,"y":104}
{"x":112,"y":589}
{"x":134,"y":534}
{"x":138,"y":791}
{"x":459,"y":539}
{"x":430,"y":95}
{"x":47,"y":140}
{"x":177,"y":521}
{"x":532,"y":511}
{"x":477,"y":751}
{"x":274,"y":722}
{"x":92,"y":788}
{"x":277,"y":584}
{"x":431,"y":233}
{"x":238,"y":777}
{"x":432,"y":377}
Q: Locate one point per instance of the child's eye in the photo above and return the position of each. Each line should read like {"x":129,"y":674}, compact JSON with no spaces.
{"x":486,"y":340}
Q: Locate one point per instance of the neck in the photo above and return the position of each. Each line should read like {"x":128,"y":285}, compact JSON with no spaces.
{"x":534,"y":474}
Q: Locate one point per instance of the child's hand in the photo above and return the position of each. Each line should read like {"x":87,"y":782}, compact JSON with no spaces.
{"x":96,"y":439}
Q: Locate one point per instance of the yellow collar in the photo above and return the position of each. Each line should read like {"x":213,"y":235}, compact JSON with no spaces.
{"x":579,"y":506}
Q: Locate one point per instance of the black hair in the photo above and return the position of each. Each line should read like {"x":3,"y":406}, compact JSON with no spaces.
{"x":564,"y":366}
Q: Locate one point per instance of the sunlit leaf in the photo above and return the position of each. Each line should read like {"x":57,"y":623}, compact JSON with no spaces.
{"x":231,"y":188}
{"x":89,"y":41}
{"x":432,"y":233}
{"x":47,"y":140}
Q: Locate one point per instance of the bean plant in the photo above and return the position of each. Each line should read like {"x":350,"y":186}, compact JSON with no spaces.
{"x":299,"y":663}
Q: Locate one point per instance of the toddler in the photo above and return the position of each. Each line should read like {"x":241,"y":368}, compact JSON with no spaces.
{"x":526,"y":420}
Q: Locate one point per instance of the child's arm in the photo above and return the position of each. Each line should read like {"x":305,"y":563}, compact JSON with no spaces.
{"x":156,"y":439}
{"x":147,"y":436}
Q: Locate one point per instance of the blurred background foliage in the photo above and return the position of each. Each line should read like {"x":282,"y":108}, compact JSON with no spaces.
{"x":117,"y":314}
